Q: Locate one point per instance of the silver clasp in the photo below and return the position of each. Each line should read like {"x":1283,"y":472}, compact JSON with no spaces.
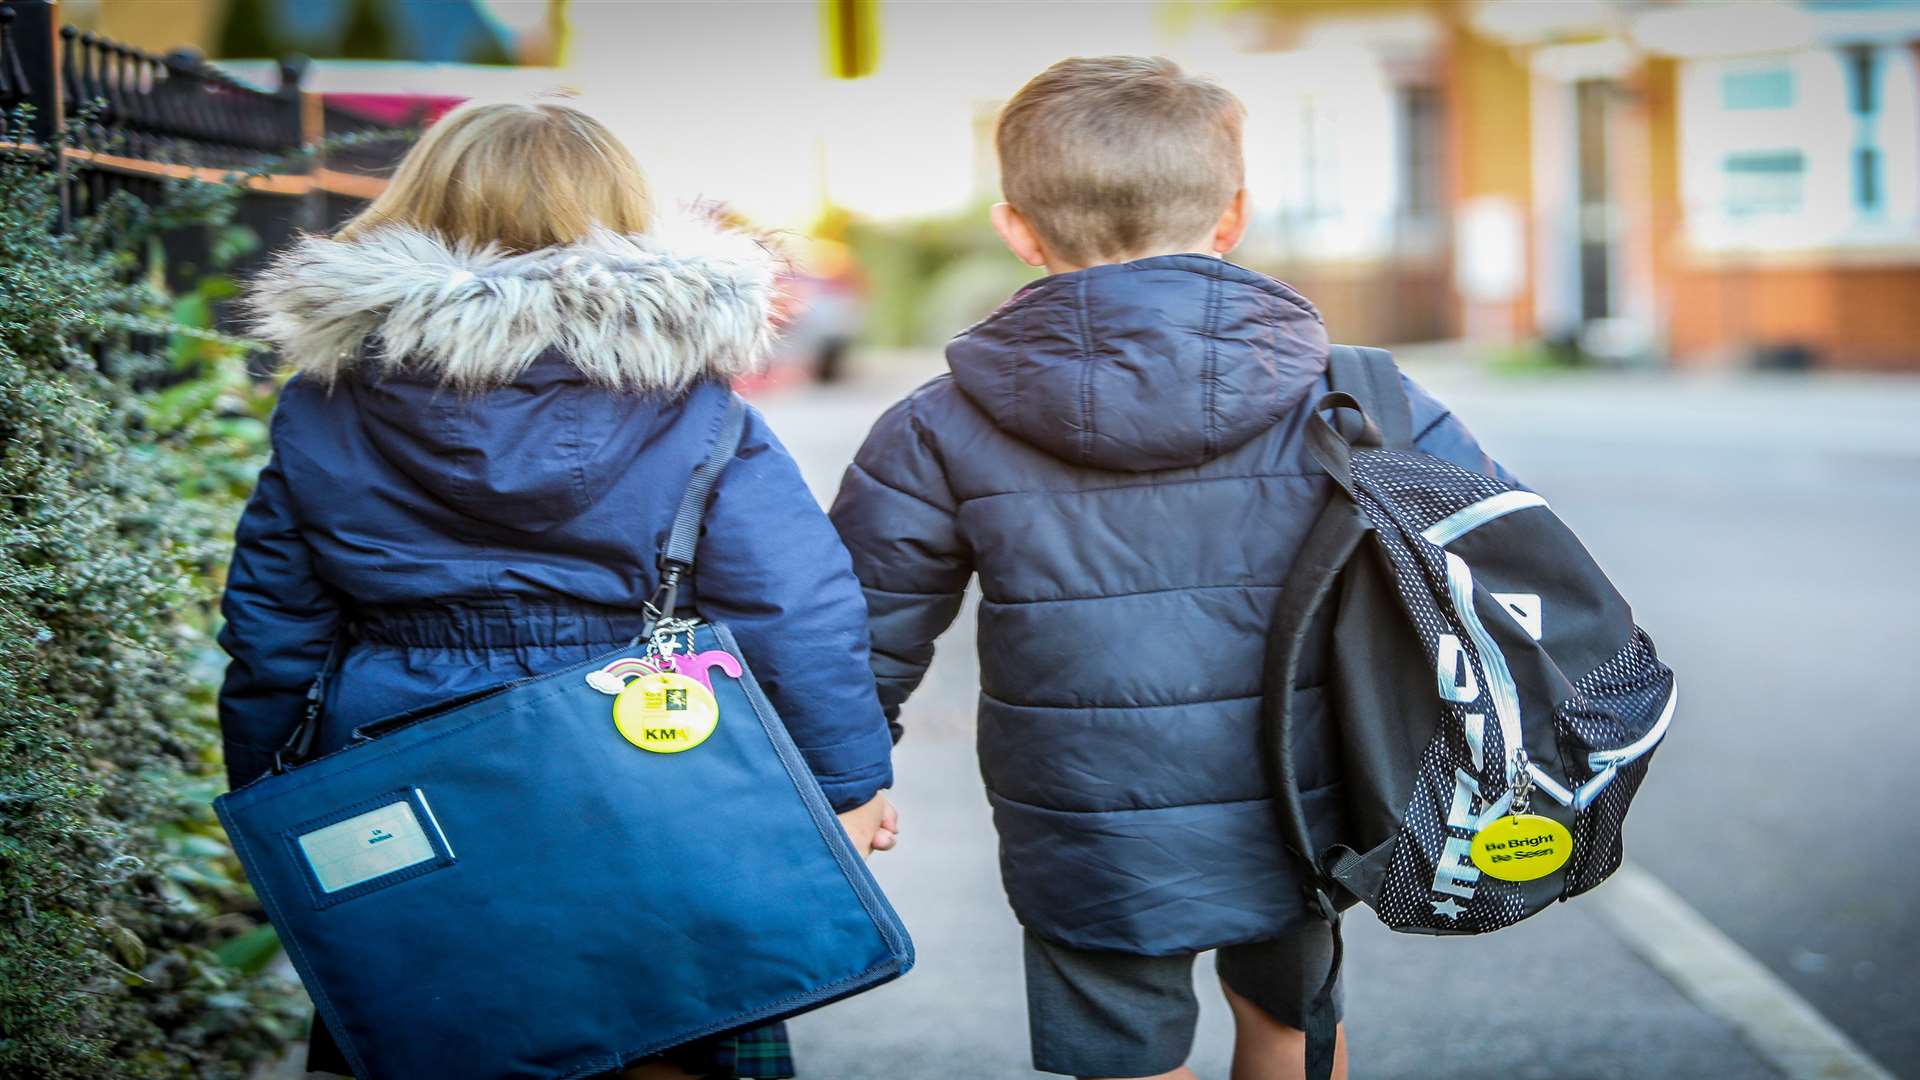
{"x":1522,"y":780}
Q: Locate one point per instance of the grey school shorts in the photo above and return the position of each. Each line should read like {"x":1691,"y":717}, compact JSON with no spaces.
{"x":1112,"y":1014}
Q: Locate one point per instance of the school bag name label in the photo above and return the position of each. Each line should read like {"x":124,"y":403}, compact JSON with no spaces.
{"x":366,"y":846}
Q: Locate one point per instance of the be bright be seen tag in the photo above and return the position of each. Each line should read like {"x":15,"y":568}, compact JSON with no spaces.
{"x":1521,"y":847}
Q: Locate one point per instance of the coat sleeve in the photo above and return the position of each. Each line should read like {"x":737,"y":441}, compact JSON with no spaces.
{"x":898,"y":516}
{"x":1440,"y":433}
{"x":280,"y":624}
{"x":770,"y":566}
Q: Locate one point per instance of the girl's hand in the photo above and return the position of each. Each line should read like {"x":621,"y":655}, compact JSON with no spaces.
{"x":872,"y":826}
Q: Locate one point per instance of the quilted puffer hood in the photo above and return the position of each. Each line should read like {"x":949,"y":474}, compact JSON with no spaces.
{"x":1161,"y":363}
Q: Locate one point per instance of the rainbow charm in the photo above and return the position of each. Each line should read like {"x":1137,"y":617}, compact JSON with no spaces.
{"x":612,"y":679}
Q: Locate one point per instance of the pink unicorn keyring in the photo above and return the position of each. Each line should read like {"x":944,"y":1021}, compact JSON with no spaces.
{"x":699,"y":665}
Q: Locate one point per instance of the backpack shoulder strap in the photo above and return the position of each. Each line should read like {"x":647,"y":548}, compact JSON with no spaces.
{"x":1311,"y":587}
{"x":1369,"y":379}
{"x":1372,"y":379}
{"x":1361,"y":381}
{"x":676,"y":556}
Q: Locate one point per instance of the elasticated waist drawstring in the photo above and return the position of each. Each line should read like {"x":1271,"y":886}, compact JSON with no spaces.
{"x":494,"y":626}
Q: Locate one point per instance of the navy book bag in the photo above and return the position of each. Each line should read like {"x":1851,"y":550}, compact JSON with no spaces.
{"x":513,"y":885}
{"x":1481,"y":666}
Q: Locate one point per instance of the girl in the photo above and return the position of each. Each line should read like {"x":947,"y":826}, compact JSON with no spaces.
{"x":504,"y":382}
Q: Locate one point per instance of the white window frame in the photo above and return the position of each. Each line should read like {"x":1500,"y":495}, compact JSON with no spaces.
{"x":1820,"y":125}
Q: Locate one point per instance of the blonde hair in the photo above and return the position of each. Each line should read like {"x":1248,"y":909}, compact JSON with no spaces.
{"x":1111,"y":157}
{"x":519,"y":176}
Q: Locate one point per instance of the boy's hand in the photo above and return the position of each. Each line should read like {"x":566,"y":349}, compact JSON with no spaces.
{"x":872,"y":826}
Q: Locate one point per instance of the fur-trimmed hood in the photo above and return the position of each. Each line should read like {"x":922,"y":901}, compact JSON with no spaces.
{"x":657,"y":312}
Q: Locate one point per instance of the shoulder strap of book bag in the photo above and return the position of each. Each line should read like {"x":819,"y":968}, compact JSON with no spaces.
{"x":676,"y":558}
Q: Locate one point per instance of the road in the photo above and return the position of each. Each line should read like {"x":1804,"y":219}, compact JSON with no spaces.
{"x":1763,"y":528}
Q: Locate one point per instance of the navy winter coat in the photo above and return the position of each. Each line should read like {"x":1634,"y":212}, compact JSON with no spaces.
{"x":1117,"y":454}
{"x":465,"y":537}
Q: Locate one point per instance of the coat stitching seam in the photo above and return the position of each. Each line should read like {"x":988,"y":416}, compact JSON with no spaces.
{"x":922,"y":499}
{"x":1209,"y":372}
{"x":1130,"y":809}
{"x":1086,"y":375}
{"x":1115,"y":708}
{"x":908,"y":592}
{"x":1143,"y":484}
{"x":991,"y":602}
{"x":921,"y":437}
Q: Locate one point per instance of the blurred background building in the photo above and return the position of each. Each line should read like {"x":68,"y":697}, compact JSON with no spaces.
{"x":1625,"y":181}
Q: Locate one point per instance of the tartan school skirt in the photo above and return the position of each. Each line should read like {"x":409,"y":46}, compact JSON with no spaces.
{"x":763,"y":1053}
{"x":760,"y":1054}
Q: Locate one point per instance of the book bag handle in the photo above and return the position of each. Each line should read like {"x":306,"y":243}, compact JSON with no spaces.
{"x":1371,"y":410}
{"x":675,"y":562}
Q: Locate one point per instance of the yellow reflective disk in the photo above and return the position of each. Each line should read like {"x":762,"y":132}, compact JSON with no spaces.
{"x":665,"y":712}
{"x":1521,"y":847}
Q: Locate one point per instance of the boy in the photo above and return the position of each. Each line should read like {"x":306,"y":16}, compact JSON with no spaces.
{"x":1117,"y":453}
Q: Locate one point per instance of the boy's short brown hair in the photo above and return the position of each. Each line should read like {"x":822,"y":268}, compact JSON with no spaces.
{"x":1110,"y":157}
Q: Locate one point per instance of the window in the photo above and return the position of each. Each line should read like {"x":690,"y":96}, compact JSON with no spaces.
{"x":1767,"y":182}
{"x":1866,"y":177}
{"x":1419,"y":151}
{"x":1834,"y":169}
{"x":1861,"y":65}
{"x":1862,"y":62}
{"x":1593,"y":103}
{"x":1771,"y":88}
{"x":1319,"y":160}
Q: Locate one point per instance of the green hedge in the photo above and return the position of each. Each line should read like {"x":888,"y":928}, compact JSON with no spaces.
{"x":129,"y":943}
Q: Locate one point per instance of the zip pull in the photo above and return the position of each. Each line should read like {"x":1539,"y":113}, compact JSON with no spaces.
{"x":1522,"y":781}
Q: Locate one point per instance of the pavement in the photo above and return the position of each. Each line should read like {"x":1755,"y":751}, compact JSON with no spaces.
{"x":1762,"y":527}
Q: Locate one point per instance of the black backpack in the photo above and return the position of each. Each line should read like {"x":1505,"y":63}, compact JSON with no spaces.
{"x":1480,"y":664}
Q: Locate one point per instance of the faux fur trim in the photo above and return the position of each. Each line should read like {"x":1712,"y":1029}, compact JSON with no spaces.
{"x":655,"y":312}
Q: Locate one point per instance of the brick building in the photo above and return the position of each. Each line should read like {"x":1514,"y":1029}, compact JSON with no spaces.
{"x":1715,"y":183}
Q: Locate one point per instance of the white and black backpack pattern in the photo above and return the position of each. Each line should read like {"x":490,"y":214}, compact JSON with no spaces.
{"x":1478,"y":656}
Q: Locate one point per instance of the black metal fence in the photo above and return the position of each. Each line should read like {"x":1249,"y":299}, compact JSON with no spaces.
{"x":111,"y":118}
{"x":174,"y":108}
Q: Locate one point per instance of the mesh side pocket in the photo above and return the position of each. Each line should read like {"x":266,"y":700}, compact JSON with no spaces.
{"x":1599,"y":831}
{"x":1617,"y":702}
{"x":1619,"y":709}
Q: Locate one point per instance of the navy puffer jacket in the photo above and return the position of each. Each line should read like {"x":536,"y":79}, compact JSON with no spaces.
{"x":1117,"y":454}
{"x":482,"y":491}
